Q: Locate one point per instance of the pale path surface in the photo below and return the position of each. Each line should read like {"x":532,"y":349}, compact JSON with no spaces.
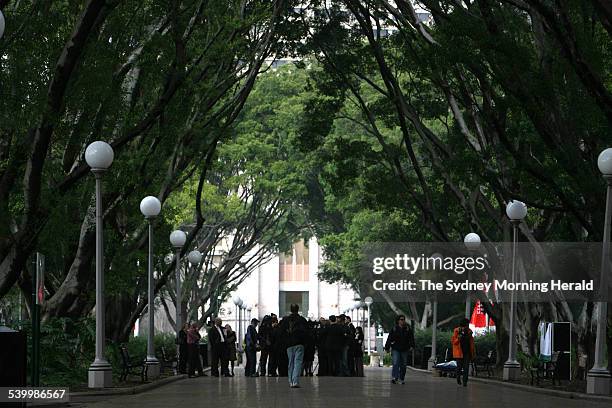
{"x":374,"y":390}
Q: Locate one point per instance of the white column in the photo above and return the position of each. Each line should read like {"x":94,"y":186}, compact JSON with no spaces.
{"x":313,"y":280}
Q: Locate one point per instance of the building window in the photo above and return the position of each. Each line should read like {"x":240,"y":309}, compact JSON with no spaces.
{"x":286,"y":298}
{"x":293,"y":267}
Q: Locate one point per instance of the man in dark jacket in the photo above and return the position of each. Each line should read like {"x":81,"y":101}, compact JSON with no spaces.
{"x":181,"y":341}
{"x":295,"y":329}
{"x":250,"y":370}
{"x":218,"y":349}
{"x":265,"y":344}
{"x":274,"y":346}
{"x":346,"y":337}
{"x":279,"y":348}
{"x":400,"y":341}
{"x":334,"y":343}
{"x":322,"y":347}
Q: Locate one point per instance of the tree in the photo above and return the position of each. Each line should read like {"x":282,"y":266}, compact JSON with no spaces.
{"x":161,"y":83}
{"x":468,"y":112}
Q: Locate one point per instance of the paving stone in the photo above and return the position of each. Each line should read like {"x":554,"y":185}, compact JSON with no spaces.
{"x":373,"y":391}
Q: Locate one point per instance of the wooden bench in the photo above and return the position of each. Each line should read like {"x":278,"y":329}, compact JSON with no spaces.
{"x":166,"y":362}
{"x":485,"y":363}
{"x":546,"y":370}
{"x":128,"y":365}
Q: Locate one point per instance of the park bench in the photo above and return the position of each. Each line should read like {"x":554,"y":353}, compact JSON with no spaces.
{"x":485,"y":363}
{"x":546,"y":370}
{"x":128,"y":365}
{"x":166,"y":362}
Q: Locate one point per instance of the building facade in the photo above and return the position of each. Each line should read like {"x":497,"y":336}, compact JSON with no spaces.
{"x":286,"y":279}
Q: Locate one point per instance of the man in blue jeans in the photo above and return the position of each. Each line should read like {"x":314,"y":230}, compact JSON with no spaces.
{"x":295,"y":329}
{"x":400,"y":341}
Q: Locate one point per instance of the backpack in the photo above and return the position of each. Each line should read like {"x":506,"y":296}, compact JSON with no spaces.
{"x":296,"y":329}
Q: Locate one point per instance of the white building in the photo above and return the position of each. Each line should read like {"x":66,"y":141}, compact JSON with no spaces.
{"x":290,"y":278}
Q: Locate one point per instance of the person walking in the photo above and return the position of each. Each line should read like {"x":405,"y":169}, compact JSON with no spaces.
{"x":294,"y":327}
{"x":218,"y":351}
{"x":400,"y":341}
{"x":463,"y":349}
{"x":230,"y":347}
{"x":193,"y":343}
{"x":250,"y":370}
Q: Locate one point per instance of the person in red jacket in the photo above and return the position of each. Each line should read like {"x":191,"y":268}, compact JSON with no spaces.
{"x":463,"y":349}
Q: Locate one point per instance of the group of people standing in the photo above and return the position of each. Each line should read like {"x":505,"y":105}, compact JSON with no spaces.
{"x":287,"y":347}
{"x":336,"y":341}
{"x":222,"y":343}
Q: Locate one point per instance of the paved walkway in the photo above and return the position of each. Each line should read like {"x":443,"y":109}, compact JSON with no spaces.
{"x":374,"y":390}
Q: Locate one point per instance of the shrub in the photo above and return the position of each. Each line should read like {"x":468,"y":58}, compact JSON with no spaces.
{"x":387,"y":361}
{"x":67,"y":348}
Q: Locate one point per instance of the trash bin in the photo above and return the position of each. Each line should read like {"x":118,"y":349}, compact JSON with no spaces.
{"x":13,"y":354}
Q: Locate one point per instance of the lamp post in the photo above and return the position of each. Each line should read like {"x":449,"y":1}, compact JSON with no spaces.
{"x":598,"y":377}
{"x":434,"y":326}
{"x":249,"y":308}
{"x":472,"y":243}
{"x":243,"y":323}
{"x":2,"y":25}
{"x":368,"y":302}
{"x":356,"y":306}
{"x":178,"y":239}
{"x":194,"y":257}
{"x":238,"y":302}
{"x":516,"y":212}
{"x":150,"y":208}
{"x":363,"y":313}
{"x":99,"y":156}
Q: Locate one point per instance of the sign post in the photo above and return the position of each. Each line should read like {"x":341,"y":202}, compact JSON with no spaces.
{"x":39,"y":296}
